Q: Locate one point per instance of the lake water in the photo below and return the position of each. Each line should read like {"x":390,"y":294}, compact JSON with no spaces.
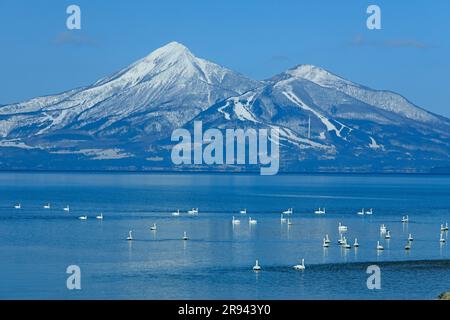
{"x":37,"y":244}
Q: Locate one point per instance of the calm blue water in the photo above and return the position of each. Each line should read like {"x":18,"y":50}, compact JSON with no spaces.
{"x":37,"y":245}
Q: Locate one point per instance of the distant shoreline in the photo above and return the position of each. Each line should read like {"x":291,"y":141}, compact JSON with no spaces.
{"x":243,"y":173}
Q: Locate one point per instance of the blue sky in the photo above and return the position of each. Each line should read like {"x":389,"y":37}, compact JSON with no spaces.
{"x":410,"y":55}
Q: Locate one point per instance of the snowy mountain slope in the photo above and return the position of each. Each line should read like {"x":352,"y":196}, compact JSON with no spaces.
{"x":124,"y":121}
{"x":385,"y":100}
{"x":347,"y":131}
{"x":153,"y":95}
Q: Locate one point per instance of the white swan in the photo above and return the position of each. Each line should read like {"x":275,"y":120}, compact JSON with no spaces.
{"x":361,"y":213}
{"x":243,"y":211}
{"x":130,"y":235}
{"x":325,"y":244}
{"x":383,"y":228}
{"x":300,"y":266}
{"x":342,"y":228}
{"x":410,"y":237}
{"x":379,"y":246}
{"x":288,"y":211}
{"x":256,"y":267}
{"x":99,"y":217}
{"x":83,"y":217}
{"x":153,"y":227}
{"x":252,"y":221}
{"x":345,"y":244}
{"x":341,"y":239}
{"x":369,"y":212}
{"x":176,"y":213}
{"x":405,"y":219}
{"x":193,"y":211}
{"x":442,"y":227}
{"x":388,"y":235}
{"x":67,"y":208}
{"x":18,"y":206}
{"x":47,"y":206}
{"x":446,"y":226}
{"x":442,"y":239}
{"x":185,"y":237}
{"x":235,"y":221}
{"x":320,"y":211}
{"x":356,"y":244}
{"x":327,"y":240}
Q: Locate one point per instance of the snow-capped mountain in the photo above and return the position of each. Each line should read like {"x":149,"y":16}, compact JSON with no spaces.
{"x":143,"y":101}
{"x":328,"y":123}
{"x":384,"y":100}
{"x":125,"y":121}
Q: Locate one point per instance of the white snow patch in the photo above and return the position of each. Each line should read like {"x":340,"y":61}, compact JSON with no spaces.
{"x":241,"y":110}
{"x":322,"y":135}
{"x":98,"y":154}
{"x":225,"y":114}
{"x":374,"y":145}
{"x":330,"y":127}
{"x":302,"y":143}
{"x":15,"y":144}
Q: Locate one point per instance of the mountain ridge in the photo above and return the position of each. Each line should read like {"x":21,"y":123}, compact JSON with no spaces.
{"x":125,"y":119}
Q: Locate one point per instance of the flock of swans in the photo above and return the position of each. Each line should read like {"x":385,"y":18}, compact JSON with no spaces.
{"x":65,"y":209}
{"x":285,"y":218}
{"x":342,"y":229}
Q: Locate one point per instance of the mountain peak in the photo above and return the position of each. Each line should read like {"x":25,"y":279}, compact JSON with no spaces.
{"x":171,"y":51}
{"x":159,"y":60}
{"x":315,"y":74}
{"x":174,"y":45}
{"x":171,"y":48}
{"x":128,"y":117}
{"x":384,"y":100}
